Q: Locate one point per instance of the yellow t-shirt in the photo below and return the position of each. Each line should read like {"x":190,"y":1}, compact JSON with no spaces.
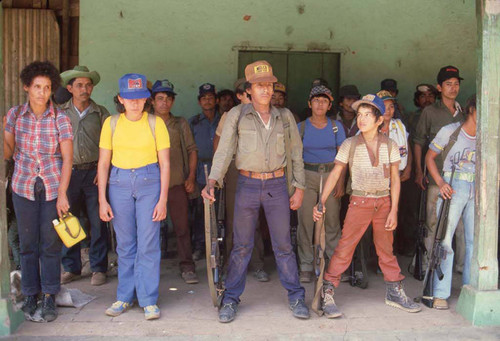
{"x":133,"y":144}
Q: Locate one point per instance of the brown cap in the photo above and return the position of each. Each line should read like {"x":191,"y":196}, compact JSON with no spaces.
{"x":260,"y":71}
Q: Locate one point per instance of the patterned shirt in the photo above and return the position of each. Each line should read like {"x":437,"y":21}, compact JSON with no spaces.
{"x":37,"y":152}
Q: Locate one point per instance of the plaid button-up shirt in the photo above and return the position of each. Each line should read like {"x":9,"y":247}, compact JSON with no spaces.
{"x":37,"y":152}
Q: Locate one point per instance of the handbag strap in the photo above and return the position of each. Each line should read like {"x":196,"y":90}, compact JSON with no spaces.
{"x":67,"y":229}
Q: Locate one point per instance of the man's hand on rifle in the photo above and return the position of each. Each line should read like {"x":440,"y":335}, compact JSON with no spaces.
{"x":421,"y":180}
{"x":209,"y":191}
{"x":317,"y":215}
{"x":445,"y":189}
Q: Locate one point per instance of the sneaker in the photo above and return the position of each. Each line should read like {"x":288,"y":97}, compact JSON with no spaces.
{"x":440,"y":304}
{"x":118,"y":308}
{"x":98,"y":278}
{"x":261,"y":275}
{"x":299,"y":309}
{"x":227,"y":312}
{"x":189,"y":277}
{"x":49,"y":311}
{"x":396,"y":297}
{"x":197,"y":255}
{"x":328,"y":305}
{"x":151,"y":312}
{"x":305,"y":276}
{"x":67,"y":277}
{"x":29,"y":304}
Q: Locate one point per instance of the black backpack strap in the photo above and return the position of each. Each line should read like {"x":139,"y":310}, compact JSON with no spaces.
{"x":451,"y":143}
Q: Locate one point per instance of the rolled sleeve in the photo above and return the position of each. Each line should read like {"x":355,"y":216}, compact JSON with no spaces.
{"x":226,"y":148}
{"x":299,"y":178}
{"x":64,"y":127}
{"x":422,"y":130}
{"x":10,"y":124}
{"x":188,"y":136}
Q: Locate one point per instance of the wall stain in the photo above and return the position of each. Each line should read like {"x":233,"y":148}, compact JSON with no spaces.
{"x":332,"y":35}
{"x":121,"y":14}
{"x":318,"y":46}
{"x":247,"y":17}
{"x":289,"y":30}
{"x":301,"y":9}
{"x":399,"y":63}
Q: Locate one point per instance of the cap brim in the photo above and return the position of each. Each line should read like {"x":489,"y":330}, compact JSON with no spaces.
{"x":268,"y":79}
{"x":169,"y":90}
{"x":356,"y":105}
{"x":135,"y":94}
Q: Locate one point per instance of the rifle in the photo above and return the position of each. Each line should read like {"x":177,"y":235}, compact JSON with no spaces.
{"x":438,"y":253}
{"x":319,"y":255}
{"x":420,"y":250}
{"x":294,"y":222}
{"x":213,"y":254}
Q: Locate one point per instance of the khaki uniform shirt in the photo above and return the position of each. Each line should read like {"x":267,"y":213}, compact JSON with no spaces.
{"x":433,"y":118}
{"x":86,"y":131}
{"x":178,"y":128}
{"x":367,"y":174}
{"x":258,"y":149}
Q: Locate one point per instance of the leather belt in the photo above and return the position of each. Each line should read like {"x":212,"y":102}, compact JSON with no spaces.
{"x":365,"y":194}
{"x":85,"y":166}
{"x":319,"y":167}
{"x":264,"y":176}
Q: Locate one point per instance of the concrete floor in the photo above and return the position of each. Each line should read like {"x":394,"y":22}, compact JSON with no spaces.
{"x":187,"y":314}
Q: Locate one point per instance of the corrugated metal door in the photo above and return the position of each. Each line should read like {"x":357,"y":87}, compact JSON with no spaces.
{"x":28,"y":35}
{"x":297,"y":70}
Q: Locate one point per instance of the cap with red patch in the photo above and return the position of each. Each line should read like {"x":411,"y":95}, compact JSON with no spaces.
{"x":133,"y":86}
{"x":448,"y":72}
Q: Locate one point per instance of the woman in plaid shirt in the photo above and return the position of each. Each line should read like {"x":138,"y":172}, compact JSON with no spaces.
{"x":39,"y":136}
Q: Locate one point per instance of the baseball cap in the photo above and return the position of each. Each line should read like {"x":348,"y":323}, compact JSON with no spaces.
{"x":372,"y":100}
{"x":206,"y":88}
{"x":260,"y":71}
{"x":280,"y":87}
{"x":133,"y":86}
{"x":389,"y":84}
{"x":448,"y":72}
{"x":320,"y":90}
{"x":384,"y":95}
{"x":349,"y":91}
{"x":163,"y":85}
{"x":319,"y":81}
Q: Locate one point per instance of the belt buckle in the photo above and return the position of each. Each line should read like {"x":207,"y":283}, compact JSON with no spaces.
{"x":321,"y":168}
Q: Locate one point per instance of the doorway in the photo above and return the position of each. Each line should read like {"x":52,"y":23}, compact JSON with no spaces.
{"x":297,"y":70}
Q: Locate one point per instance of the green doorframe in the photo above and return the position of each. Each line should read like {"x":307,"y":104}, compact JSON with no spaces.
{"x":479,"y":302}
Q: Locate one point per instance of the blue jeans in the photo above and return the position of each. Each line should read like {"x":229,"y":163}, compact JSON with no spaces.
{"x":82,"y":190}
{"x":40,"y":246}
{"x":133,"y":195}
{"x":461,"y":205}
{"x":272,"y":195}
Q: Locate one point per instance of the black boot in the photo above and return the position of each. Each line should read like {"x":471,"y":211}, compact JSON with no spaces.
{"x":227,"y":312}
{"x":29,"y":305}
{"x":299,"y":309}
{"x":49,"y":311}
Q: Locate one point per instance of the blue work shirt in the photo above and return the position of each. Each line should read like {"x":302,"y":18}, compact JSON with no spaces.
{"x":204,"y":132}
{"x":320,"y":145}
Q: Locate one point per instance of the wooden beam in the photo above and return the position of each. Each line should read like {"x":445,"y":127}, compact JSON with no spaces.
{"x":480,"y":301}
{"x":65,"y":36}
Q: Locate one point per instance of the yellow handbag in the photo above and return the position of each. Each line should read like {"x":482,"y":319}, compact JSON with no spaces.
{"x":69,"y":230}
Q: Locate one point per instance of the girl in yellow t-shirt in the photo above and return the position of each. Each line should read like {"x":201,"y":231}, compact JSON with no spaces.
{"x":136,"y":146}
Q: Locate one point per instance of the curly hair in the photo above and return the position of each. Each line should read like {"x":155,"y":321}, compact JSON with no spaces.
{"x":38,"y":68}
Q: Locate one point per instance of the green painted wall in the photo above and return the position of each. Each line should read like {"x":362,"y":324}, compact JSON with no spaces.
{"x":191,"y":42}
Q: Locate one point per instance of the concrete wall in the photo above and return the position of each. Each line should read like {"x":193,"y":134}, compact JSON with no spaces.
{"x":193,"y":41}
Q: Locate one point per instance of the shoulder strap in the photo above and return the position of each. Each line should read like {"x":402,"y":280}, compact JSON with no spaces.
{"x":185,"y":156}
{"x":352,"y":149}
{"x":112,"y":122}
{"x":334,"y":126}
{"x":452,"y":141}
{"x":302,"y":129}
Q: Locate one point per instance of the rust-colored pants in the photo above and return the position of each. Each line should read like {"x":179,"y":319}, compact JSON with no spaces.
{"x":363,"y":211}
